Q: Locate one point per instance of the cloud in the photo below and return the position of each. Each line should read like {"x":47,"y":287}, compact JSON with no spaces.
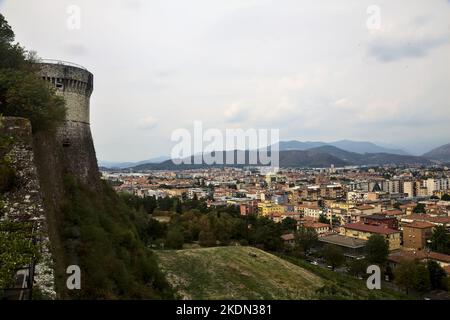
{"x":387,"y":50}
{"x":75,"y":49}
{"x":236,"y":113}
{"x":147,"y":123}
{"x":311,"y":70}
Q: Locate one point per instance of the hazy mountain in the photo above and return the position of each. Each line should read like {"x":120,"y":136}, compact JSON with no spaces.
{"x":341,"y":147}
{"x":371,"y":158}
{"x":123,"y":165}
{"x":365,"y":147}
{"x":441,"y":153}
{"x":346,"y":145}
{"x":299,"y":145}
{"x":319,"y":157}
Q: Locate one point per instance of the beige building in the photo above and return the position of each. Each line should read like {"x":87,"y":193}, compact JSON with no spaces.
{"x":320,"y":228}
{"x":409,"y":187}
{"x":364,"y":231}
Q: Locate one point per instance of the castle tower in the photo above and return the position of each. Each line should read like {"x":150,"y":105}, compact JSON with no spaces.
{"x":75,"y":84}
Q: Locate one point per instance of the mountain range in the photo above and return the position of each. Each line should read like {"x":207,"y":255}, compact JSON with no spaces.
{"x":441,"y":153}
{"x":313,"y":154}
{"x":347,"y":145}
{"x":319,"y":157}
{"x":123,"y":165}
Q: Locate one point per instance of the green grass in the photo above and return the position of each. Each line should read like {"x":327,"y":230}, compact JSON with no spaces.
{"x":340,"y":286}
{"x":234,"y":273}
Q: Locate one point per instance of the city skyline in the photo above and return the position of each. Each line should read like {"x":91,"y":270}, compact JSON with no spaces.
{"x":319,"y":73}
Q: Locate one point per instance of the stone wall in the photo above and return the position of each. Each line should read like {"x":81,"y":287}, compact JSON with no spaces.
{"x":25,"y":202}
{"x":74,"y":84}
{"x":74,"y":148}
{"x":77,"y":152}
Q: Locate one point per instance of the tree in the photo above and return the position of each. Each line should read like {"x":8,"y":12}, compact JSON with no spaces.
{"x":445,"y":197}
{"x":306,"y":238}
{"x":357,"y":267}
{"x":437,"y":275}
{"x":174,"y":238}
{"x":288,"y":225}
{"x":206,"y":238}
{"x":178,"y":206}
{"x":22,"y":92}
{"x":419,"y":208}
{"x":440,"y":240}
{"x":323,"y":219}
{"x":377,"y":249}
{"x":333,"y":255}
{"x":264,"y":232}
{"x":149,"y":204}
{"x":412,"y":275}
{"x":155,"y":230}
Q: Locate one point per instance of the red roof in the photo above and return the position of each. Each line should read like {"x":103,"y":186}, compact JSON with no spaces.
{"x":393,"y":212}
{"x":365,"y":207}
{"x":439,"y":256}
{"x":370,"y":228}
{"x":426,"y":217}
{"x":418,"y":225}
{"x":419,"y":255}
{"x":316,"y":225}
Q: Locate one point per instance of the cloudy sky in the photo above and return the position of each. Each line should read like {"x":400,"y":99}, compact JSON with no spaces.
{"x":373,"y":70}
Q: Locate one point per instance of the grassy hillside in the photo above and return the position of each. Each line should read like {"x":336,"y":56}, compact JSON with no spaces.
{"x":339,"y":286}
{"x":236,"y":273}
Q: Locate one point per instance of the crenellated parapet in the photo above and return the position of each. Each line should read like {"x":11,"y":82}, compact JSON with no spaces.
{"x":74,"y":83}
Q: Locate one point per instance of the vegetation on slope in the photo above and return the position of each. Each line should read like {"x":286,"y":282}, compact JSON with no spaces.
{"x":16,"y":248}
{"x":102,"y":235}
{"x":339,"y":286}
{"x":22,"y":92}
{"x":97,"y":232}
{"x":236,"y":273}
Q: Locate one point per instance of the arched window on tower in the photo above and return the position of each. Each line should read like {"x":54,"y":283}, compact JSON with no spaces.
{"x":59,"y":84}
{"x":66,"y":142}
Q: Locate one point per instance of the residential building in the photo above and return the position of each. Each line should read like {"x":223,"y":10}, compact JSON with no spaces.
{"x":364,"y":231}
{"x":416,"y":234}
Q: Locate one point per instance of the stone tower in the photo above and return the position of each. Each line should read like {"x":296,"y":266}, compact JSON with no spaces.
{"x":75,"y":84}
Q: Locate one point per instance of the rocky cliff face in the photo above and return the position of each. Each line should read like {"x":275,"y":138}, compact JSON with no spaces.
{"x":24,"y":202}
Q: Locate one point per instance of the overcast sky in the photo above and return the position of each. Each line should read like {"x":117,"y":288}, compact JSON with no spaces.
{"x":317,"y":72}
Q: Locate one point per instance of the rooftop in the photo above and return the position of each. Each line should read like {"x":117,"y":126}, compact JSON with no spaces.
{"x":358,"y":226}
{"x":343,"y":241}
{"x":408,"y":255}
{"x":378,"y":217}
{"x":316,"y":225}
{"x":419,"y":225}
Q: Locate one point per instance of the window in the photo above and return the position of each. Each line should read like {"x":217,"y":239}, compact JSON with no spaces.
{"x":59,"y":83}
{"x":66,"y":142}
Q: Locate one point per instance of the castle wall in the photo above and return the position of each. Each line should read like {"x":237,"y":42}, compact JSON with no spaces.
{"x":77,"y":152}
{"x":25,"y":202}
{"x":74,"y":84}
{"x":74,"y":140}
